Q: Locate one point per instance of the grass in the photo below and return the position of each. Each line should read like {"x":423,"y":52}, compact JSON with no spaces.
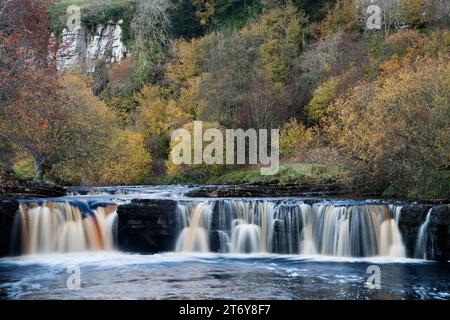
{"x":288,"y":174}
{"x":21,"y":174}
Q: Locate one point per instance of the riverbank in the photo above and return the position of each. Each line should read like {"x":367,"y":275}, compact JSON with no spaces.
{"x":13,"y":187}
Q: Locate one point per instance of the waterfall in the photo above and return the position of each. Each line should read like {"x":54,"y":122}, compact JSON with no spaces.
{"x":196,"y":220}
{"x":424,"y":243}
{"x":291,"y":227}
{"x":65,"y":227}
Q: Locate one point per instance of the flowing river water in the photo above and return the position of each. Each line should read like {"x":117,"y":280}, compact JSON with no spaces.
{"x":267,"y":249}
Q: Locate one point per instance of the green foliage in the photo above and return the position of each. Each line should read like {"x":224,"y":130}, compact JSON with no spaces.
{"x":196,"y":171}
{"x":19,"y":172}
{"x":323,"y":96}
{"x":344,"y":16}
{"x":94,"y":13}
{"x":295,"y":138}
{"x":150,"y":31}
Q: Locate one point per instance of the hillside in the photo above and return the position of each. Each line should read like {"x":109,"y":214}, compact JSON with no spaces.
{"x":365,"y":101}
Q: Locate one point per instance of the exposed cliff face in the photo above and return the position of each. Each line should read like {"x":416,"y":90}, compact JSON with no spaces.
{"x":84,"y":49}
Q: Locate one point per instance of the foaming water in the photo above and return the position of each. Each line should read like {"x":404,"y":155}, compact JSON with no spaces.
{"x":290,"y":227}
{"x":115,"y":275}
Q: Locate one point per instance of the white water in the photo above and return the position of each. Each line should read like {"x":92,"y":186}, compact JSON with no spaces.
{"x":196,"y":221}
{"x":291,"y":228}
{"x":424,"y":240}
{"x":62,"y":227}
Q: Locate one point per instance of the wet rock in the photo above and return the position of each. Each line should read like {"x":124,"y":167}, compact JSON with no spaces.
{"x":8,"y":213}
{"x":439,"y":231}
{"x":411,"y":218}
{"x":215,"y":241}
{"x":310,"y":189}
{"x":14,"y":188}
{"x":147,"y":226}
{"x":414,"y":216}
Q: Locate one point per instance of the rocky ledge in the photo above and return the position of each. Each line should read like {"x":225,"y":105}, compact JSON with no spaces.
{"x":274,"y":190}
{"x":151,"y":226}
{"x":12,"y":187}
{"x":413,"y":217}
{"x":147,"y":226}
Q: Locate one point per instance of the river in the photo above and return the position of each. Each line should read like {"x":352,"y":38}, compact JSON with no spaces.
{"x":269,"y":252}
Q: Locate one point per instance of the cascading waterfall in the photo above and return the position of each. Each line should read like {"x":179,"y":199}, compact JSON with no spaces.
{"x":195,"y":223}
{"x":291,"y":227}
{"x":424,"y":243}
{"x":65,"y":227}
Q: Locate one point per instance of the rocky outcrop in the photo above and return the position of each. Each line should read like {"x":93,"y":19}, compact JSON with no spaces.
{"x":414,"y":216}
{"x":8,"y":214}
{"x":84,"y":48}
{"x":411,"y":218}
{"x":12,"y":187}
{"x":439,"y":231}
{"x":147,"y":226}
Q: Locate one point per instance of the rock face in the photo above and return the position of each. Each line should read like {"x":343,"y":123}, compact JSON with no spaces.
{"x":8,"y":213}
{"x":148,"y":226}
{"x":438,"y":231}
{"x":411,"y":218}
{"x":11,"y":187}
{"x":84,"y":48}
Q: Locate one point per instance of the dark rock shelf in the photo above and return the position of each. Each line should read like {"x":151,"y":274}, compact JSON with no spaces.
{"x":14,"y":188}
{"x":147,"y":226}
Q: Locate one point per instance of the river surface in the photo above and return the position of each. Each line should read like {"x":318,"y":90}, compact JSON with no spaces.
{"x":114,"y":275}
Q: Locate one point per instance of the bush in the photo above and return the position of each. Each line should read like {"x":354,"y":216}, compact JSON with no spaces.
{"x":323,"y":96}
{"x":295,"y":139}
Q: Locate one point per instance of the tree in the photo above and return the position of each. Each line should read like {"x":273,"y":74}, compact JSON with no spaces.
{"x":395,"y":130}
{"x":56,"y":124}
{"x":26,"y":47}
{"x":150,"y":29}
{"x":125,"y":161}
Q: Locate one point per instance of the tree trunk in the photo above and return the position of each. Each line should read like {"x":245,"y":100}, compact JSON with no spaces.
{"x":39,"y":169}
